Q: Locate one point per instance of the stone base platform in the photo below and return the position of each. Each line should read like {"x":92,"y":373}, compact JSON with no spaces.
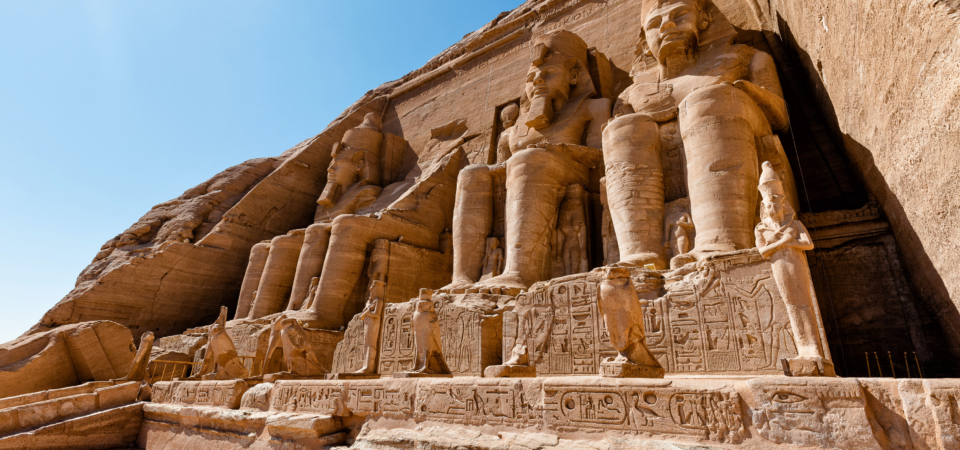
{"x":751,"y":413}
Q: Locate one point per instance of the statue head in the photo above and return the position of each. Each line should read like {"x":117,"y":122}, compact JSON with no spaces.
{"x":773,"y":208}
{"x":673,"y":27}
{"x":509,"y":114}
{"x":559,"y":66}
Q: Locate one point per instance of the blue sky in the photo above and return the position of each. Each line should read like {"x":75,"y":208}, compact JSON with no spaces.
{"x":110,"y":107}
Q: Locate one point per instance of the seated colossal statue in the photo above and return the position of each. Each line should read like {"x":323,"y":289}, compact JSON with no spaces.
{"x":553,"y":144}
{"x":356,"y":219}
{"x":725,"y":101}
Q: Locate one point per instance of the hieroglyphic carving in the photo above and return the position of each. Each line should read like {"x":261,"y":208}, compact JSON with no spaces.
{"x":308,"y":396}
{"x":812,"y":412}
{"x":561,"y":326}
{"x":479,"y":402}
{"x":705,"y":412}
{"x":393,"y":398}
{"x":397,"y":348}
{"x":728,"y":318}
{"x":225,"y":394}
{"x":349,"y":355}
{"x":471,"y":339}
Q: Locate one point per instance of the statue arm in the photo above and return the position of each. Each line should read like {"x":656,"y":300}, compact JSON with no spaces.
{"x":803,"y":241}
{"x":763,"y":86}
{"x":599,"y":115}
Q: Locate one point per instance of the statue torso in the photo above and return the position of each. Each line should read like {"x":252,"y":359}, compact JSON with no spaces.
{"x":569,"y":128}
{"x":653,"y":98}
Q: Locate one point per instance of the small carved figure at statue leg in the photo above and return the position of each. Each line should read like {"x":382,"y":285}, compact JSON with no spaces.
{"x":620,"y":308}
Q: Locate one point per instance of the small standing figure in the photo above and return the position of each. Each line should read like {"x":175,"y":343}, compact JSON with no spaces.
{"x":682,"y":233}
{"x":782,"y":239}
{"x":571,"y":245}
{"x":620,"y":308}
{"x":371,"y":316}
{"x":492,"y":259}
{"x":508,"y":116}
{"x":426,"y":337}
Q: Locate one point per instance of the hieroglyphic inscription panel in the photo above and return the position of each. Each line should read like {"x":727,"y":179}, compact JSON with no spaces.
{"x":349,"y":354}
{"x":707,"y":412}
{"x":384,"y":397}
{"x":729,"y":318}
{"x":226,"y":394}
{"x":471,"y":339}
{"x":313,"y":396}
{"x":561,"y":327}
{"x":479,"y":401}
{"x":397,"y":349}
{"x":726,"y":318}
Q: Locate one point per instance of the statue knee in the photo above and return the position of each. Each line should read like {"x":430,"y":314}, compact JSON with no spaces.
{"x":474,"y":177}
{"x":632,"y":138}
{"x":721,"y":100}
{"x":349,"y":228}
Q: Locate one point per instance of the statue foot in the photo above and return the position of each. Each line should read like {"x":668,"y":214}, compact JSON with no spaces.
{"x":643,"y":259}
{"x":307,"y":318}
{"x":457,"y":284}
{"x":510,"y":280}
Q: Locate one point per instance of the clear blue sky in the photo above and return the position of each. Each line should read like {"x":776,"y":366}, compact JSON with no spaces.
{"x":110,"y":107}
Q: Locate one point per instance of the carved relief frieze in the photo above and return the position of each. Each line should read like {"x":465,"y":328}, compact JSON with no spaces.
{"x":704,"y":412}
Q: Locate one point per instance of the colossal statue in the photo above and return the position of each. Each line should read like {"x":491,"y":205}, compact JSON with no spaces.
{"x":725,"y":100}
{"x":553,"y":144}
{"x":354,"y":211}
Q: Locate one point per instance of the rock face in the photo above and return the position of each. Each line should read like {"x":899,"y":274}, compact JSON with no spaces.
{"x":65,"y":356}
{"x":644,"y":223}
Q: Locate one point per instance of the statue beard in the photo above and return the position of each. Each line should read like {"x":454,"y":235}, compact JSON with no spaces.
{"x":543,"y":108}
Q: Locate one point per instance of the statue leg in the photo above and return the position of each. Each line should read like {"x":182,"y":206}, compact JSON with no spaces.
{"x":350,"y":238}
{"x":277,"y":279}
{"x":251,"y":278}
{"x":536,"y":179}
{"x":472,"y":223}
{"x":720,"y":126}
{"x":635,"y":192}
{"x":314,"y":251}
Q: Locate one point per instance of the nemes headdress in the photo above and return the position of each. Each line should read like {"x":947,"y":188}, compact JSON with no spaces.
{"x":648,"y":5}
{"x":560,"y":42}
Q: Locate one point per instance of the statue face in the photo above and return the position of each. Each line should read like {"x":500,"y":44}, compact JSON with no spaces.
{"x":672,"y":28}
{"x":772,"y":208}
{"x":551,"y":79}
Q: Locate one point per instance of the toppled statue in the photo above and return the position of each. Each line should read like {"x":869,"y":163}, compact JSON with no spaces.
{"x":221,"y":361}
{"x":725,"y":100}
{"x":553,"y":144}
{"x":371,"y":316}
{"x":426,"y":338}
{"x":783,"y":239}
{"x":300,"y":359}
{"x":619,"y":306}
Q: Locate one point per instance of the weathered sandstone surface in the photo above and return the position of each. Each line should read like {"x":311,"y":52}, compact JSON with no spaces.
{"x":655,"y":224}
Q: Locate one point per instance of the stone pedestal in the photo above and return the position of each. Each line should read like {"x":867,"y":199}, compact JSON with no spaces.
{"x":421,"y":375}
{"x":510,"y":372}
{"x":612,"y":368}
{"x":807,"y":367}
{"x":352,"y":376}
